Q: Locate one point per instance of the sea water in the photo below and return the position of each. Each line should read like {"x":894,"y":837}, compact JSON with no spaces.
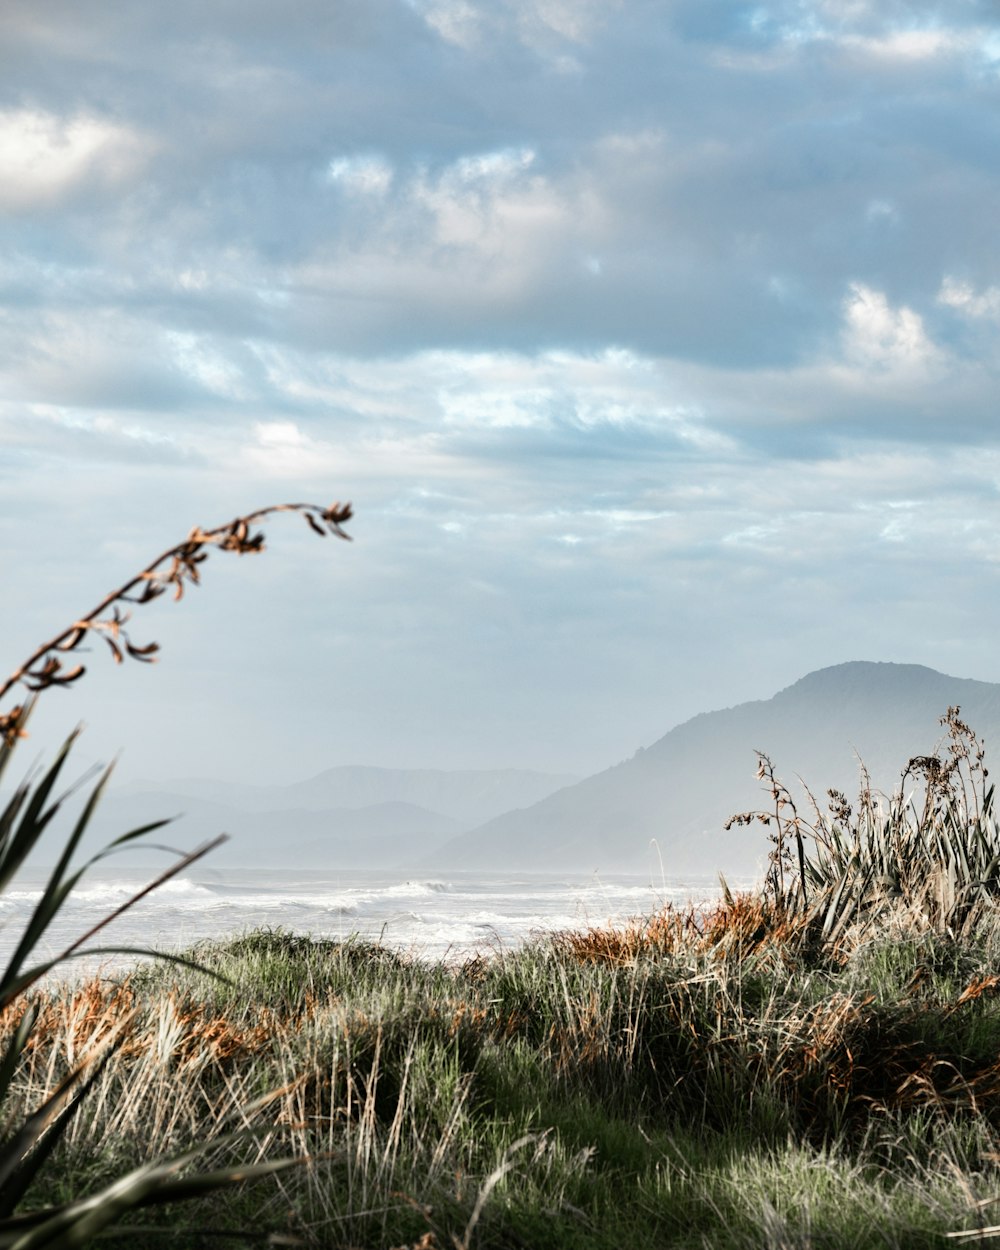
{"x":450,"y":917}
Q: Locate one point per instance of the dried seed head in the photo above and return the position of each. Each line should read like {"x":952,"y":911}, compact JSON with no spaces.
{"x":178,"y":568}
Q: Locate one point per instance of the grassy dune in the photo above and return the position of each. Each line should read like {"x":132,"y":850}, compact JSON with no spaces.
{"x":692,"y":1081}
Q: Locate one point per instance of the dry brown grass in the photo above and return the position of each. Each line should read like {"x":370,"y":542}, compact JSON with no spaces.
{"x":742,"y":924}
{"x":660,"y":934}
{"x":838,"y":1057}
{"x":75,"y":1020}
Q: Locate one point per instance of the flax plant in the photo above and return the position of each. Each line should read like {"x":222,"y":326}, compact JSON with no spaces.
{"x":27,"y":1143}
{"x":928,"y":855}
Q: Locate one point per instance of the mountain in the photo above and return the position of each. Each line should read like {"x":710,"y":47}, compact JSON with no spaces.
{"x":680,"y":791}
{"x":368,"y":837}
{"x":348,"y":817}
{"x":468,"y":796}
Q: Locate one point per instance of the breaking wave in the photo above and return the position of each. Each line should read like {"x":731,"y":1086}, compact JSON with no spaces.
{"x":429,"y":918}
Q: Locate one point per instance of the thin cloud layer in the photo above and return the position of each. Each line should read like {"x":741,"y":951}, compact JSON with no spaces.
{"x":656,"y":343}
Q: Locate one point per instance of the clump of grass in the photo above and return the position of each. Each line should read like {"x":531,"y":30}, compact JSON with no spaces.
{"x":926,"y":857}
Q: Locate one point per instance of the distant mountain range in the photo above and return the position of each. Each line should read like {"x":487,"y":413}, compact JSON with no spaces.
{"x":668,"y":803}
{"x":663,"y":810}
{"x":353,"y":817}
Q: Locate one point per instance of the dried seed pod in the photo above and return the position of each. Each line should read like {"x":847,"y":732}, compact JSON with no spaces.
{"x":175,"y":567}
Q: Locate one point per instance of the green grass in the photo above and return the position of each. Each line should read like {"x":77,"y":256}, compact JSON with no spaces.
{"x":553,"y":1096}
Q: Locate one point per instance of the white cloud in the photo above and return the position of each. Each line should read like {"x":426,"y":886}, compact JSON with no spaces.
{"x":544,"y":26}
{"x":885,"y":339}
{"x":193,"y":280}
{"x":877,"y":33}
{"x":521,"y":409}
{"x":575,"y":20}
{"x":497,"y":166}
{"x":365,"y":175}
{"x":480,"y":231}
{"x":456,"y":21}
{"x":989,"y":49}
{"x":918,"y":44}
{"x":43,"y":156}
{"x":489,"y":204}
{"x":757,"y":536}
{"x":205,"y":365}
{"x":964,"y":298}
{"x":280,"y":449}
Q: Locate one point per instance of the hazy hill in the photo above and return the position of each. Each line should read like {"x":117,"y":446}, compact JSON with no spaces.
{"x":350,"y":817}
{"x":373,"y":836}
{"x":680,"y":790}
{"x":468,"y":796}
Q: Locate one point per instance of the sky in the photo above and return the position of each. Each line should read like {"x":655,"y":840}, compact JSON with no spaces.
{"x":655,"y":342}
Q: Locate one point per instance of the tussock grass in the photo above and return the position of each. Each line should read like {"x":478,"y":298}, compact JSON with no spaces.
{"x":691,"y":1081}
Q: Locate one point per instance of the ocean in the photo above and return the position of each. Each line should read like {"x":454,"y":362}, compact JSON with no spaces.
{"x":450,"y":917}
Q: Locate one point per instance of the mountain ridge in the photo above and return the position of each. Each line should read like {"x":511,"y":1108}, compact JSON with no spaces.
{"x":661,"y":810}
{"x":376,"y":823}
{"x":679,"y":791}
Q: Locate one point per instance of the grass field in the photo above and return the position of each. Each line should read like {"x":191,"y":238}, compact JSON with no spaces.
{"x":691,"y":1081}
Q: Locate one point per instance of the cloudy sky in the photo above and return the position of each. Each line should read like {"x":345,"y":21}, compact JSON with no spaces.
{"x":656,"y":343}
